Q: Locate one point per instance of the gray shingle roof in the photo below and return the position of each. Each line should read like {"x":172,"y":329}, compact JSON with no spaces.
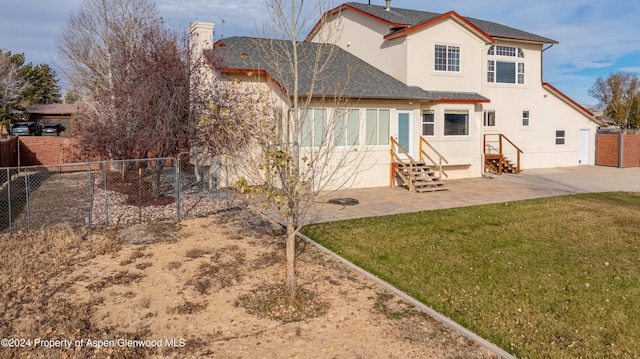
{"x":416,"y":17}
{"x":344,"y":74}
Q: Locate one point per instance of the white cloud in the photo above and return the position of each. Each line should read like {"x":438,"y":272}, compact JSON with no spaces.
{"x":593,"y":34}
{"x":635,"y":69}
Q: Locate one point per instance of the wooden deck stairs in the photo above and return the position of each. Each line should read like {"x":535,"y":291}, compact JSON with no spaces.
{"x":418,"y":177}
{"x":495,"y":160}
{"x":500,"y":164}
{"x":415,"y":175}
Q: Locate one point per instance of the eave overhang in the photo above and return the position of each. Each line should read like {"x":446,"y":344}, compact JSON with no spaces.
{"x":450,"y":15}
{"x":559,"y":94}
{"x":348,"y":7}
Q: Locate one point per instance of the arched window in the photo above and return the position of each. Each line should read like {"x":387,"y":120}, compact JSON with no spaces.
{"x":500,"y":50}
{"x":506,"y":71}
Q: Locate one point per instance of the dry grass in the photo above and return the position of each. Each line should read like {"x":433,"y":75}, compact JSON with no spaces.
{"x":187,"y":307}
{"x":272,"y":301}
{"x":54,"y":285}
{"x":29,"y":304}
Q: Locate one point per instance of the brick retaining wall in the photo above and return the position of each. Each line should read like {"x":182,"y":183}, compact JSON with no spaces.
{"x":48,"y":150}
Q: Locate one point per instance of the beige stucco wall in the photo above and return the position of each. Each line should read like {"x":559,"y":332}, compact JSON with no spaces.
{"x":410,"y":59}
{"x":421,"y":58}
{"x":364,"y":38}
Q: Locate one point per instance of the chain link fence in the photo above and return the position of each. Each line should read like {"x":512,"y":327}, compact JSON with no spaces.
{"x":201,"y":177}
{"x":105,"y":193}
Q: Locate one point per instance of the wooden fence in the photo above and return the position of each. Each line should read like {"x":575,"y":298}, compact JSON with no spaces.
{"x":618,"y":150}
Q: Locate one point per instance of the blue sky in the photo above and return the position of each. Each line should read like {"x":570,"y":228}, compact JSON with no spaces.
{"x":597,"y":37}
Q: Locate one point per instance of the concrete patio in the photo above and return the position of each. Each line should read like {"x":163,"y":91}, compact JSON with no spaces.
{"x":533,"y":183}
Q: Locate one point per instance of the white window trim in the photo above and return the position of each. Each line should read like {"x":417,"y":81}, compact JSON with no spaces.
{"x":422,"y":122}
{"x":366,"y":134}
{"x":345,"y":140}
{"x":484,"y":118}
{"x":516,"y":74}
{"x":444,"y":124}
{"x":564,"y":137}
{"x":312,"y":129}
{"x":515,"y":56}
{"x":517,"y":51}
{"x":447,"y":58}
{"x":528,"y":125}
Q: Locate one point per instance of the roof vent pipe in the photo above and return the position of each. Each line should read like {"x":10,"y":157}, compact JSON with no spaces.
{"x":388,"y":5}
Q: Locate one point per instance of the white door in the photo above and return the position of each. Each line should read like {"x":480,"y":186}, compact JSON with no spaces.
{"x":404,"y":134}
{"x":583,"y":147}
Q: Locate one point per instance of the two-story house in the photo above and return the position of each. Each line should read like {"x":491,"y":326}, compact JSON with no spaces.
{"x":444,"y":89}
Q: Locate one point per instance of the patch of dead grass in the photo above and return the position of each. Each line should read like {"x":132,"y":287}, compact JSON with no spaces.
{"x":187,"y":307}
{"x":120,"y":278}
{"x":272,"y":301}
{"x":30,"y":304}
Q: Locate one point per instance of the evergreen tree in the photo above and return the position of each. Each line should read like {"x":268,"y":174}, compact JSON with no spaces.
{"x":43,"y":85}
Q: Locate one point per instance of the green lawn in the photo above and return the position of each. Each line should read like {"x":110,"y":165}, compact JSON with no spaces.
{"x":547,"y":278}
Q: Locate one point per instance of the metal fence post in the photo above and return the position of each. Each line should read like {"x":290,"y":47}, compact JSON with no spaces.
{"x":178,"y":184}
{"x":226,"y":169}
{"x":106,"y":197}
{"x":139,"y":193}
{"x":90,"y":179}
{"x":9,"y":203}
{"x":26,"y":191}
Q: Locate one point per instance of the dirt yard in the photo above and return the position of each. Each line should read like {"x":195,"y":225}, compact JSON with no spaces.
{"x":203,"y":288}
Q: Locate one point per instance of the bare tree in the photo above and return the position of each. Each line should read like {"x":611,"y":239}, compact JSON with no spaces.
{"x":133,"y":74}
{"x":12,"y":87}
{"x":151,"y":114}
{"x":88,"y":42}
{"x":620,"y":93}
{"x":299,"y":146}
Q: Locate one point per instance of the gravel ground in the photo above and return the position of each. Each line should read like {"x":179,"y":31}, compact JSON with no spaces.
{"x":119,"y":212}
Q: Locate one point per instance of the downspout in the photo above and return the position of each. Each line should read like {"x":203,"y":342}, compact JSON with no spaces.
{"x":483,"y":77}
{"x":542,"y":62}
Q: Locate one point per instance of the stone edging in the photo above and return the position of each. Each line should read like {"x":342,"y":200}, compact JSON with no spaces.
{"x":431,"y":312}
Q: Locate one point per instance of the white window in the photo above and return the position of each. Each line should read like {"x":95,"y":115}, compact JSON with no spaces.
{"x":314,"y":126}
{"x":560,"y":137}
{"x":428,"y":123}
{"x":520,"y":73}
{"x":456,"y":123}
{"x":491,"y":71}
{"x":489,"y":118}
{"x":377,"y":126}
{"x":506,"y":72}
{"x":447,"y":58}
{"x":525,"y":118}
{"x":500,"y":50}
{"x":346,"y":128}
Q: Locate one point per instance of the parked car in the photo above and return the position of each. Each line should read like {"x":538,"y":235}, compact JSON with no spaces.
{"x":26,"y":129}
{"x":52,"y":129}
